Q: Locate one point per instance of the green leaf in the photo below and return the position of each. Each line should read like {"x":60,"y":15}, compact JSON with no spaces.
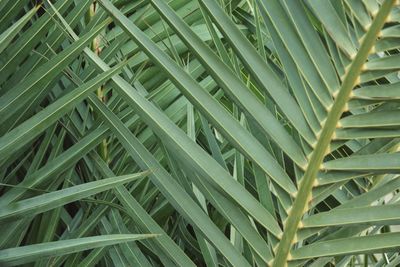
{"x":367,"y":163}
{"x":169,"y":187}
{"x":23,"y":92}
{"x":375,"y":215}
{"x":28,"y":130}
{"x":335,"y":112}
{"x":380,"y":92}
{"x":372,"y":120}
{"x":26,"y":254}
{"x":48,"y":201}
{"x":353,"y":245}
{"x":7,"y":36}
{"x":209,"y":107}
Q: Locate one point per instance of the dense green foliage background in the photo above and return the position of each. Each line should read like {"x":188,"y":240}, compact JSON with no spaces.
{"x":199,"y":133}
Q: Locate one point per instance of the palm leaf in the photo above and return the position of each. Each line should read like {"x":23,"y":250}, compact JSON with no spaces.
{"x":270,"y":128}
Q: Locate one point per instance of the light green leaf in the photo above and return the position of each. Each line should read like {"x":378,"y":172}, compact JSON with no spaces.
{"x":31,"y":253}
{"x":48,"y":201}
{"x":7,"y":36}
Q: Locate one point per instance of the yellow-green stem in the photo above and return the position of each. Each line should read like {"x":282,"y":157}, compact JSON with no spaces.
{"x":351,"y":79}
{"x":103,"y":148}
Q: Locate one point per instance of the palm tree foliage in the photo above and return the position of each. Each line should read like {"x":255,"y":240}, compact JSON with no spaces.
{"x":199,"y":133}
